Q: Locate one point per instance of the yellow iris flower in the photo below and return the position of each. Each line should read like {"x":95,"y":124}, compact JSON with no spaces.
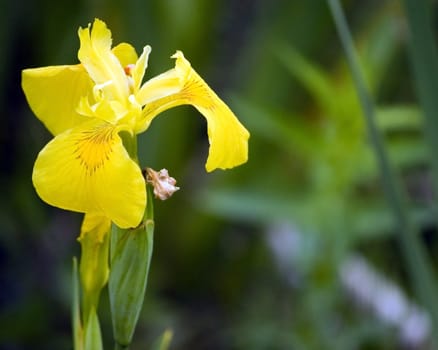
{"x":86,"y":167}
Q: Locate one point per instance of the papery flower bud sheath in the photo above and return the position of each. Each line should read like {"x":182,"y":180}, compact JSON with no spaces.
{"x":163,"y":183}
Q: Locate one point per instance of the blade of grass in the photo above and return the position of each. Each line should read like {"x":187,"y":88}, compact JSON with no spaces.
{"x":424,"y":56}
{"x":416,"y":259}
{"x":78,"y":332}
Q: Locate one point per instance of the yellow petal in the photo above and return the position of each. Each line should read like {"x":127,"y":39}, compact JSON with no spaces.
{"x":227,"y":136}
{"x":87,"y":169}
{"x":54,"y":93}
{"x":140,"y":68}
{"x":125,"y":53}
{"x":94,"y":269}
{"x":165,"y":84}
{"x":96,"y":225}
{"x":100,"y":62}
{"x":106,"y":110}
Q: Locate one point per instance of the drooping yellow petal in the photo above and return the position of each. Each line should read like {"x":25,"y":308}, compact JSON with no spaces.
{"x":87,"y":169}
{"x":227,"y":136}
{"x":125,"y":53}
{"x":100,"y":62}
{"x":54,"y":93}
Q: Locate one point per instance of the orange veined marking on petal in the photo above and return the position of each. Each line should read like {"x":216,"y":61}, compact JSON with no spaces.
{"x":195,"y":90}
{"x":94,"y":147}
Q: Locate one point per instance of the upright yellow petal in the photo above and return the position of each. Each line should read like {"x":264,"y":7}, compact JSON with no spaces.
{"x":87,"y":169}
{"x":227,"y":136}
{"x":125,"y":53}
{"x":54,"y":93}
{"x":140,"y":68}
{"x":100,"y":62}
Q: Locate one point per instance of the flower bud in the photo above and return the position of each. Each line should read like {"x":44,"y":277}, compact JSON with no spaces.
{"x":93,"y":267}
{"x":131,"y":252}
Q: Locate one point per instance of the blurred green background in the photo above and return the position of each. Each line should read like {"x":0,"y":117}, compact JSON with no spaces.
{"x":294,"y":250}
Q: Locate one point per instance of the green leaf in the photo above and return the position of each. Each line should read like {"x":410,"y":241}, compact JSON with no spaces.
{"x":424,"y":54}
{"x":163,"y":342}
{"x":399,"y":118}
{"x":287,"y":132}
{"x":378,"y":45}
{"x":249,"y":205}
{"x":408,"y":153}
{"x":131,"y":252}
{"x":309,"y":74}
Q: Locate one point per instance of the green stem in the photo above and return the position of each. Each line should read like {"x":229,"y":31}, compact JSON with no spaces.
{"x":78,"y":333}
{"x":416,"y":259}
{"x":130,"y":144}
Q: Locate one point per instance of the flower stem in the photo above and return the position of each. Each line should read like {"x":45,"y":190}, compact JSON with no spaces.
{"x":416,"y":259}
{"x":76,"y":313}
{"x":130,"y":144}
